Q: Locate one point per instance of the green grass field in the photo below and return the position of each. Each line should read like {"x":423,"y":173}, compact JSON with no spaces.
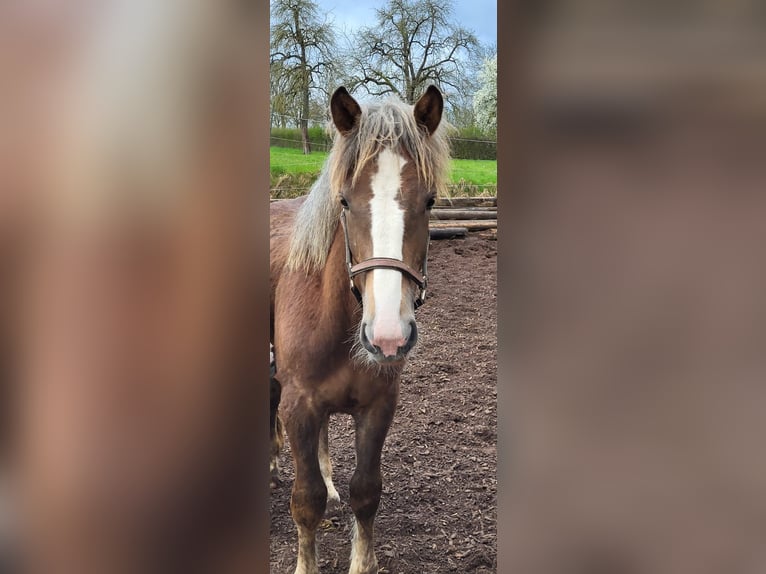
{"x":475,"y":171}
{"x":292,"y":173}
{"x":284,"y":160}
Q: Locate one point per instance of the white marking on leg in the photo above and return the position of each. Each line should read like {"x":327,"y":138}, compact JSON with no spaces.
{"x":325,"y":464}
{"x":274,"y":471}
{"x":307,"y":552}
{"x":387,"y":230}
{"x":363,"y":560}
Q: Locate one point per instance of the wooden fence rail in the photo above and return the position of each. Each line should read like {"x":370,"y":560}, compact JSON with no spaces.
{"x":454,"y":217}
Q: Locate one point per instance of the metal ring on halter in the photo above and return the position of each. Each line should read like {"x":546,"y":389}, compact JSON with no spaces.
{"x":420,"y":279}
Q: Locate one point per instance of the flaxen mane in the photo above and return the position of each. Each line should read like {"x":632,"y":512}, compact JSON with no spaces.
{"x":389,"y":124}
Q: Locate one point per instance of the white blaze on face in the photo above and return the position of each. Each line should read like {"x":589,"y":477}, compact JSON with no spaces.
{"x":387,"y":222}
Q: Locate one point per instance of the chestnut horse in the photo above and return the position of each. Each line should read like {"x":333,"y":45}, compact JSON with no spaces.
{"x":348,"y":269}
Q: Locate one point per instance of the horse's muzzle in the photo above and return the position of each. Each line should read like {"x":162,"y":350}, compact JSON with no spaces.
{"x":385,"y":351}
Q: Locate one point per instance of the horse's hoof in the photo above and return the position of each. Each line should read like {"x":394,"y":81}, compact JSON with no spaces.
{"x":369,"y":569}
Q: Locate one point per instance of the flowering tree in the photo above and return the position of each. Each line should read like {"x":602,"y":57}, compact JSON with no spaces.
{"x":485,"y":100}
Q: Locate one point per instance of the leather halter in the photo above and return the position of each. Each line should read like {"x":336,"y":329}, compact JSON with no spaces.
{"x":420,"y":279}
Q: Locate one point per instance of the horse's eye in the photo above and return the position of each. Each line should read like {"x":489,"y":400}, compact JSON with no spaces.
{"x":343,"y":202}
{"x":430,"y":203}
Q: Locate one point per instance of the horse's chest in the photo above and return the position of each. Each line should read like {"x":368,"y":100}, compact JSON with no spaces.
{"x":352,"y":390}
{"x":344,"y":390}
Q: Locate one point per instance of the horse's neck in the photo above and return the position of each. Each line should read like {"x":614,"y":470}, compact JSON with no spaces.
{"x":336,"y":289}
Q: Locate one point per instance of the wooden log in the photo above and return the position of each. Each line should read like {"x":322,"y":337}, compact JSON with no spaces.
{"x":467,"y":207}
{"x":447,"y":232}
{"x":469,"y":224}
{"x":437,"y":214}
{"x":466,"y":202}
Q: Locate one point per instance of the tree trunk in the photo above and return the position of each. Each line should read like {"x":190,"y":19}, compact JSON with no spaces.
{"x":305,"y":136}
{"x":305,"y":86}
{"x":305,"y":117}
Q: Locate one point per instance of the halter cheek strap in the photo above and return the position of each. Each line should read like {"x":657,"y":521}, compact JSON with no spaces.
{"x":420,"y":279}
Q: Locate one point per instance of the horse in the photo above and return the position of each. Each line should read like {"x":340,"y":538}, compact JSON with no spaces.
{"x":348,"y":269}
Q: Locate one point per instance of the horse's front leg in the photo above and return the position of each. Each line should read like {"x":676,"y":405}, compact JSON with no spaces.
{"x":325,"y":462}
{"x":366,"y":484}
{"x":309,"y":494}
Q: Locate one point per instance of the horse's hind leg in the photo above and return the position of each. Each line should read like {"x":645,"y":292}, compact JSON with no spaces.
{"x":325,"y":463}
{"x":309,"y":495}
{"x":366,"y":484}
{"x":277,"y":441}
{"x":275,"y":431}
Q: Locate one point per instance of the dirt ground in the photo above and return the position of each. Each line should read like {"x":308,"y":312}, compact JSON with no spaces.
{"x":438,"y":509}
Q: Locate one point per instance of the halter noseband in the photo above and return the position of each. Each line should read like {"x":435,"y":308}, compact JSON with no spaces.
{"x":420,"y":279}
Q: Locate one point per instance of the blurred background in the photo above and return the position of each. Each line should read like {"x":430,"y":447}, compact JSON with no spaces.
{"x":631,"y":274}
{"x":129,"y":242}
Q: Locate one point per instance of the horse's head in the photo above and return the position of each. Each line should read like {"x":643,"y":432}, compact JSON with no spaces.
{"x":394,"y":164}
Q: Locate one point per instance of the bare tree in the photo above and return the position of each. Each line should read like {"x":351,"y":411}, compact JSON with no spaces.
{"x":283,"y":99}
{"x":301,"y":51}
{"x":412,"y":44}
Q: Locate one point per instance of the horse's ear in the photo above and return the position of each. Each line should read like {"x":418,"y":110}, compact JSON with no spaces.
{"x":429,"y":108}
{"x":345,"y":110}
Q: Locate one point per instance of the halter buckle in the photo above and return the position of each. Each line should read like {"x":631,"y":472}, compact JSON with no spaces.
{"x":422,"y":296}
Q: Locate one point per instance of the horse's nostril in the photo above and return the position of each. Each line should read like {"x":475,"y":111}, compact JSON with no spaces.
{"x":366,"y":341}
{"x":412,"y":339}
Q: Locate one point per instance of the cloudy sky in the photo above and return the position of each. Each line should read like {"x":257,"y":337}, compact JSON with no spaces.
{"x":479,"y":16}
